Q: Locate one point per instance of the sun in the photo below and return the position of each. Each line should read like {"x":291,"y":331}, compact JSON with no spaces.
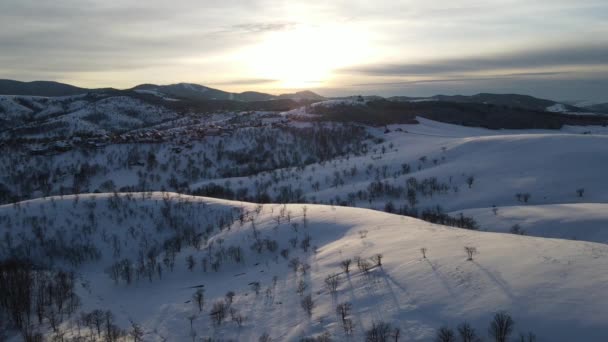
{"x":305,"y":57}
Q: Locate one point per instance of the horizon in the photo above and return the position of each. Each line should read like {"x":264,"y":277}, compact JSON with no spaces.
{"x":549,"y":49}
{"x":291,"y":91}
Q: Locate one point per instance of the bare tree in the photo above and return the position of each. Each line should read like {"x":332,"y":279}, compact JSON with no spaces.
{"x":467,"y":333}
{"x":265,"y":338}
{"x":255,"y":287}
{"x":423,"y":251}
{"x":501,"y":327}
{"x":377,"y":259}
{"x":345,"y":264}
{"x":294,"y":264}
{"x":348,"y":326}
{"x":199,"y":299}
{"x":332,"y":282}
{"x":470,"y":181}
{"x":137,"y":333}
{"x":343,"y":310}
{"x":190,"y":262}
{"x":236,"y":317}
{"x":530,"y":337}
{"x":516,"y":229}
{"x":470,"y":252}
{"x":380,"y":332}
{"x":396,"y":334}
{"x":230,"y":297}
{"x":445,"y":334}
{"x":364,"y":266}
{"x":307,"y":304}
{"x":301,"y":287}
{"x":218,"y":312}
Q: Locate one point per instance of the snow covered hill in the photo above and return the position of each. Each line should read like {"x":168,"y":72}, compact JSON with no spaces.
{"x":273,"y":257}
{"x":93,"y":114}
{"x":579,"y":221}
{"x":436,"y":162}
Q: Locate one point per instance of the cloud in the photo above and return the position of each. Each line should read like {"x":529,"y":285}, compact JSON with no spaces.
{"x":581,"y":55}
{"x":264,"y":27}
{"x":245,"y":81}
{"x":467,"y":79}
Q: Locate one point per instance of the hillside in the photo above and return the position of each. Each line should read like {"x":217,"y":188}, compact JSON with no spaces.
{"x":536,"y":280}
{"x":505,"y":100}
{"x":579,"y":221}
{"x":39,"y":88}
{"x":473,"y":114}
{"x":293,"y":157}
{"x":419,"y":167}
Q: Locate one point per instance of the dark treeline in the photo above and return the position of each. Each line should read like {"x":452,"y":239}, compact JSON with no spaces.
{"x":30,"y":295}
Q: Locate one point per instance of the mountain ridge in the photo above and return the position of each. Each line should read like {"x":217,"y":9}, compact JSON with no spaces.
{"x":190,"y":91}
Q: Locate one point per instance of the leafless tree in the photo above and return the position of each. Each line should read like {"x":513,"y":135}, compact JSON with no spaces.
{"x":377,"y":259}
{"x":470,"y":252}
{"x":307,"y":304}
{"x":343,"y":310}
{"x":218,"y":312}
{"x":190,"y":262}
{"x":332,"y":282}
{"x":530,"y":337}
{"x":501,"y":327}
{"x":363,"y":233}
{"x":137,"y":333}
{"x":255,"y":287}
{"x":345,"y":264}
{"x":445,"y":334}
{"x":230,"y":297}
{"x":467,"y":333}
{"x":516,"y":229}
{"x":265,"y":338}
{"x":380,"y":332}
{"x":423,"y":251}
{"x":364,"y":266}
{"x":294,"y":264}
{"x":396,"y":334}
{"x":301,"y":287}
{"x":199,"y":299}
{"x":470,"y":181}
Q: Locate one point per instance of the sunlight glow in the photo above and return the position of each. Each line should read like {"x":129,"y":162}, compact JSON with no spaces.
{"x":306,"y":56}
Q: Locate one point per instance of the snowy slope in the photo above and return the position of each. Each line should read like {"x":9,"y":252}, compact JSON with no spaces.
{"x":549,"y":165}
{"x":580,"y":221}
{"x":556,"y":288}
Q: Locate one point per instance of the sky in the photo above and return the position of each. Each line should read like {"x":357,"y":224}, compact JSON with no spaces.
{"x":555,"y":49}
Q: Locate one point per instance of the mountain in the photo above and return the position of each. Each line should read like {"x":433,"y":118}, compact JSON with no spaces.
{"x":198,"y":92}
{"x":467,"y":113}
{"x":592,"y":106}
{"x":508,"y":100}
{"x":189,"y":91}
{"x":599,"y":107}
{"x":185,"y":90}
{"x":39,"y":88}
{"x":302,"y":95}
